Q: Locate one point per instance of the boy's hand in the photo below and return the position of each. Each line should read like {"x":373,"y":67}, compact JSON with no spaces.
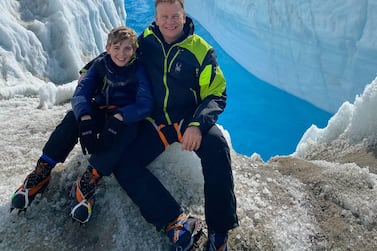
{"x":111,"y":132}
{"x":88,"y":136}
{"x":116,"y":134}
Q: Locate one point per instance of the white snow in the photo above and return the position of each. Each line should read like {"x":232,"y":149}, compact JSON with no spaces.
{"x":353,"y":123}
{"x":51,"y":40}
{"x":332,"y":45}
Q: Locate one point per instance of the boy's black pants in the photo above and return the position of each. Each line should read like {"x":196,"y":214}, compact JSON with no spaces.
{"x":62,"y":139}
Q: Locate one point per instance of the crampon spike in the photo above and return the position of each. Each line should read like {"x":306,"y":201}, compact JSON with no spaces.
{"x":18,"y":210}
{"x":21,"y":210}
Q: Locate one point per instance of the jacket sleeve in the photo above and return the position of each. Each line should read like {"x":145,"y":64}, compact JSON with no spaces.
{"x":84,"y":93}
{"x":212,"y":93}
{"x":142,"y":107}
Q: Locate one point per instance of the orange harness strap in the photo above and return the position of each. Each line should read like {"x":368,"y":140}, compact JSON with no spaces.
{"x":162,"y":136}
{"x":177,"y":128}
{"x":158,"y":128}
{"x":108,"y":107}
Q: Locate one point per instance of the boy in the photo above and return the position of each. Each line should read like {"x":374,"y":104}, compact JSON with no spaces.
{"x":112,"y":96}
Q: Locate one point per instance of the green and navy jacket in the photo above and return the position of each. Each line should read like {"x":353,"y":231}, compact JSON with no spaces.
{"x":126,"y":89}
{"x":187,"y":82}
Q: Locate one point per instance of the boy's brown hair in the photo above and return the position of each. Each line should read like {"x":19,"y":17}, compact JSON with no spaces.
{"x":120,"y":34}
{"x":156,"y":2}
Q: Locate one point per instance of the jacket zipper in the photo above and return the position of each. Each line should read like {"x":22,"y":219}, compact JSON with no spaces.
{"x":166,"y":70}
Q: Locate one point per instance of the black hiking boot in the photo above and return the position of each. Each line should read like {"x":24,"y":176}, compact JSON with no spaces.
{"x":217,"y":241}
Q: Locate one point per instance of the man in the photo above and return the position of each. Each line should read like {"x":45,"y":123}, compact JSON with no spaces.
{"x":188,"y":89}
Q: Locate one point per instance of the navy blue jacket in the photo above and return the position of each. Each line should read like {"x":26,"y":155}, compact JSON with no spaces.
{"x":187,"y":82}
{"x":105,"y":85}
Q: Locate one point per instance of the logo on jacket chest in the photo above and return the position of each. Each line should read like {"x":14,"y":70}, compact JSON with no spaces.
{"x":178,"y":67}
{"x":117,"y":83}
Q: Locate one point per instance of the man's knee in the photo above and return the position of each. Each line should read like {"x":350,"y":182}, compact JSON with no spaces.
{"x":215,"y":139}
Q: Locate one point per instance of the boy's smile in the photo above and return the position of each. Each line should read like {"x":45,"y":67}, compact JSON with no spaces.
{"x":121,"y":52}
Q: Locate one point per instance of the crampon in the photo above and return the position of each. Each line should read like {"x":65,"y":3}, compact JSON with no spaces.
{"x":81,"y":208}
{"x":83,"y":195}
{"x":23,"y":197}
{"x":186,"y":233}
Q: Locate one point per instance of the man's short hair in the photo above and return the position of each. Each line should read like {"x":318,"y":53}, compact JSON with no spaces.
{"x":156,"y":2}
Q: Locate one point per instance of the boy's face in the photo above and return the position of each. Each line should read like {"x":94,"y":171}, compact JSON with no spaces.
{"x":121,"y":52}
{"x":170,"y":19}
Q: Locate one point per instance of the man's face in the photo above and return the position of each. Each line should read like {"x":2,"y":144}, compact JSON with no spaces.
{"x":170,"y":19}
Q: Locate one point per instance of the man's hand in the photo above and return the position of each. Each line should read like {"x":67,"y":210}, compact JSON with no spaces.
{"x":192,"y":138}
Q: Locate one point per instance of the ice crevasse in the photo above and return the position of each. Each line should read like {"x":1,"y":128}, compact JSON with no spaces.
{"x":324,"y":52}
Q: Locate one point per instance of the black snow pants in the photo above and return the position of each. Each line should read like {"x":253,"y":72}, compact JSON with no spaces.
{"x":156,"y":204}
